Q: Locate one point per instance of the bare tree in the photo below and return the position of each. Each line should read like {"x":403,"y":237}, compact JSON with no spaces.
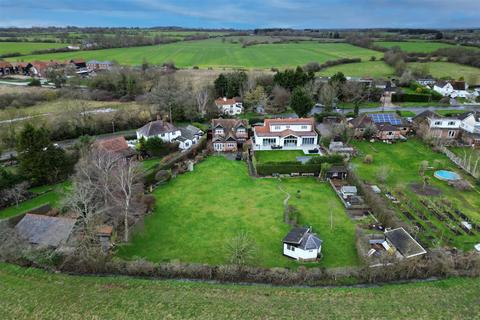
{"x":168,"y":96}
{"x":17,"y":192}
{"x":328,"y":96}
{"x":128,"y":180}
{"x":241,"y":249}
{"x":202,"y":97}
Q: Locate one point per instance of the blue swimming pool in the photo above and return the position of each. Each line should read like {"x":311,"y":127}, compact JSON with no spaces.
{"x":446,"y":175}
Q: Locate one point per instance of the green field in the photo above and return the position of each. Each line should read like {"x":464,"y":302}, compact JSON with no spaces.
{"x":403,"y":161}
{"x":452,"y":70}
{"x":219,"y":199}
{"x":214,"y":53}
{"x":374,"y":69}
{"x":414,"y":46}
{"x":52,"y":196}
{"x":27,"y":47}
{"x":36,"y":294}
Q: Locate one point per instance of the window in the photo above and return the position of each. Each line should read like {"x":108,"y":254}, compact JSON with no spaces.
{"x":308,"y":140}
{"x":304,"y":127}
{"x":390,"y":133}
{"x":277,"y":127}
{"x":231,"y":145}
{"x":288,"y":127}
{"x":290,"y":247}
{"x":218,"y":146}
{"x":437,"y":123}
{"x":451,"y":123}
{"x":241,"y":130}
{"x":269,"y":141}
{"x":218,"y":131}
{"x":290,"y":142}
{"x":451,"y":133}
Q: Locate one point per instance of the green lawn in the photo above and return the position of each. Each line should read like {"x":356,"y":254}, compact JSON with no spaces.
{"x":279,"y":155}
{"x":198,"y":212}
{"x":403,"y":161}
{"x":27,"y":47}
{"x":36,"y":294}
{"x":150,"y":163}
{"x":374,"y":69}
{"x":214,"y":53}
{"x":51,"y":197}
{"x":414,"y":46}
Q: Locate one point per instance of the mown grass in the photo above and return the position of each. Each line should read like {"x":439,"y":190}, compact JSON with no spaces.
{"x":414,"y":46}
{"x":27,"y":47}
{"x":36,"y":294}
{"x":197,"y":213}
{"x":214,"y":53}
{"x":50,"y":195}
{"x":403,"y":162}
{"x":279,"y":155}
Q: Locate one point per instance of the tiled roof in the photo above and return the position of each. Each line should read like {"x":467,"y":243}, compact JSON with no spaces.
{"x":264,"y":131}
{"x":116,"y":144}
{"x":45,"y":230}
{"x":157,"y":127}
{"x":223,"y":101}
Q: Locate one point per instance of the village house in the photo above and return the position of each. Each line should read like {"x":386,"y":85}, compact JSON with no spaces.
{"x":470,"y":125}
{"x":383,"y":126}
{"x":301,"y":244}
{"x":439,"y":127}
{"x":229,"y":107}
{"x":454,"y":89}
{"x":96,"y":65}
{"x":290,"y":134}
{"x":117,"y":146}
{"x":427,"y":82}
{"x":6,"y":68}
{"x":228,"y":134}
{"x":167,"y":132}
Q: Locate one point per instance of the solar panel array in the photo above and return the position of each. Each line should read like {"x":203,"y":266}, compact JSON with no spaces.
{"x":386,"y":118}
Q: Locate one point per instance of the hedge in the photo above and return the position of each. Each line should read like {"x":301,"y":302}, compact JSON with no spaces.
{"x":411,"y":97}
{"x":287,"y":167}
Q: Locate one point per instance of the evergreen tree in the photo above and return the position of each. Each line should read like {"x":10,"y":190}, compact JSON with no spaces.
{"x":301,"y":102}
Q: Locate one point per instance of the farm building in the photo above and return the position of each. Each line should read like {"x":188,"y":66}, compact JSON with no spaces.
{"x":45,"y":231}
{"x":302,"y":244}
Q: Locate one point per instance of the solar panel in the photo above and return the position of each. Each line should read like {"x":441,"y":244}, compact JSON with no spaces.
{"x":386,"y":118}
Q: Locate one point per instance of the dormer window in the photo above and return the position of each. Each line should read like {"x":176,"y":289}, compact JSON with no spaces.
{"x":277,"y":127}
{"x":437,"y":123}
{"x":451,"y":123}
{"x":219,"y":131}
{"x":304,"y":127}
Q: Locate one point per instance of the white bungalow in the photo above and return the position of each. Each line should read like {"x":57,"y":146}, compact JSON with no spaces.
{"x":302,"y":244}
{"x":161,"y":129}
{"x":292,"y":134}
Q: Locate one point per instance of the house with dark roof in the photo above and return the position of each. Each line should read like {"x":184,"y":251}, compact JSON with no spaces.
{"x":454,"y":89}
{"x":189,"y":136}
{"x":96,"y":65}
{"x":160,"y":129}
{"x":387,"y":126}
{"x":302,"y":244}
{"x":470,"y":125}
{"x":45,"y":231}
{"x":290,"y":134}
{"x":228,"y":134}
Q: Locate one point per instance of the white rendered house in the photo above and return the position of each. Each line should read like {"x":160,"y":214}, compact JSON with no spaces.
{"x":292,"y":134}
{"x":230,"y":107}
{"x":161,"y":129}
{"x":302,"y":244}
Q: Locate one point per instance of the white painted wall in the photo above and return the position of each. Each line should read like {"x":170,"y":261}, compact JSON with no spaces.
{"x":298,"y":253}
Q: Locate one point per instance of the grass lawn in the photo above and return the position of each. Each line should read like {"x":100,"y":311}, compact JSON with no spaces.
{"x":214,"y":53}
{"x":403,"y":161}
{"x":31,"y":293}
{"x":414,"y":46}
{"x":279,"y":155}
{"x":27,"y":47}
{"x":198,"y":212}
{"x":374,"y":69}
{"x":51,"y":197}
{"x":150,"y":163}
{"x":452,"y":70}
{"x":466,"y":151}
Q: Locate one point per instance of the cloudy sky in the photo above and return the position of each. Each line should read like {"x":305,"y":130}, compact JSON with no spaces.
{"x":243,"y":13}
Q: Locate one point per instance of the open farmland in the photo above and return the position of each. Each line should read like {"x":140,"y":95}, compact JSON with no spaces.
{"x":27,"y":47}
{"x":414,"y":46}
{"x":195,"y":224}
{"x":32,"y":293}
{"x":215,"y":53}
{"x":451,"y":70}
{"x":436,"y":215}
{"x":374,"y":69}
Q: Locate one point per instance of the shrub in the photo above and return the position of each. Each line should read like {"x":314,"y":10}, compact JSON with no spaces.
{"x":368,"y":159}
{"x":35,"y":83}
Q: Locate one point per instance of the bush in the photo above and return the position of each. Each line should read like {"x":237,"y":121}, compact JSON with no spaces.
{"x":35,"y":83}
{"x":411,"y":97}
{"x":314,"y":166}
{"x":368,"y":159}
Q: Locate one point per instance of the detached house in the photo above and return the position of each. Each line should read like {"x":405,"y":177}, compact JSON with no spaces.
{"x":454,"y":89}
{"x":230,"y":107}
{"x":470,"y":125}
{"x":442,"y":128}
{"x":292,"y":134}
{"x":186,"y":137}
{"x":228,"y":134}
{"x":387,"y":126}
{"x":302,"y":244}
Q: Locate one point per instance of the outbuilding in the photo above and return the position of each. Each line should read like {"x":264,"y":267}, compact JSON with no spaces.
{"x":302,"y":244}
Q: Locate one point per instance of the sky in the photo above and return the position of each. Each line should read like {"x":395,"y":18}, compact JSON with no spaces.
{"x":243,"y":14}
